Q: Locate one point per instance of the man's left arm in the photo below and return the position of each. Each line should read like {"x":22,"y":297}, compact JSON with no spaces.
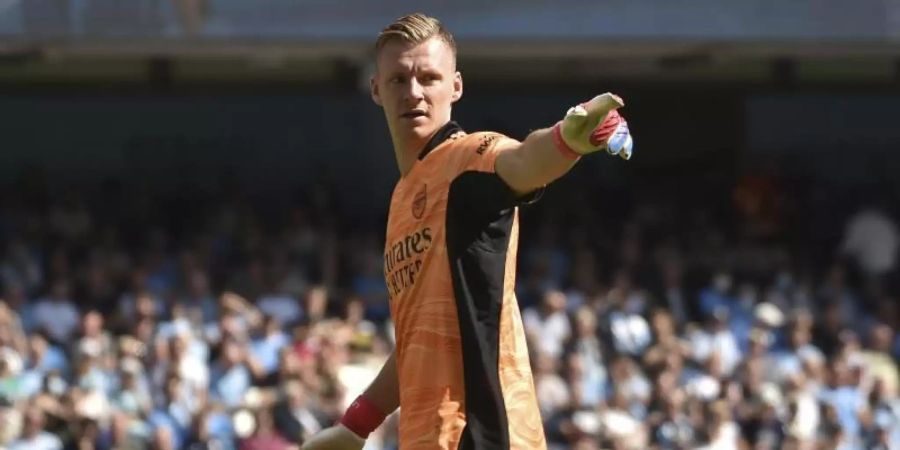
{"x":549,"y":153}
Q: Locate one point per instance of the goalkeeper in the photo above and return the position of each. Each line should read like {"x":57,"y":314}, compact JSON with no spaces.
{"x":460,"y":371}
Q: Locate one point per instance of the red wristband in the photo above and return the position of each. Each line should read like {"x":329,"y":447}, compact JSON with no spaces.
{"x":561,"y":145}
{"x":362,"y":417}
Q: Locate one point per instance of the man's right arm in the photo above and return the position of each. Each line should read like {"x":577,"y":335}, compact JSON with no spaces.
{"x":364,"y":415}
{"x":384,"y":392}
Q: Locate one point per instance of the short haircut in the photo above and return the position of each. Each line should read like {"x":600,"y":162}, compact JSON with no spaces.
{"x":415,"y":29}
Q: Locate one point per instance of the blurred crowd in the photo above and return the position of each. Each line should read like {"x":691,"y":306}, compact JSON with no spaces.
{"x":195,"y":321}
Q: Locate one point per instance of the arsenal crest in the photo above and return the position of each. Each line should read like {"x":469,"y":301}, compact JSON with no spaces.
{"x":419,"y":201}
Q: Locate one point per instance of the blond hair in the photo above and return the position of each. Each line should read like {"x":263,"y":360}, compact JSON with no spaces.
{"x":415,"y":29}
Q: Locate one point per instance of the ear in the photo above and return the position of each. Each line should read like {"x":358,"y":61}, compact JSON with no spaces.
{"x":457,"y":87}
{"x":373,"y":88}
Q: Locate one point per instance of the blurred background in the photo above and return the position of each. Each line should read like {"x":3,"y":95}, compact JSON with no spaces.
{"x":193,"y":197}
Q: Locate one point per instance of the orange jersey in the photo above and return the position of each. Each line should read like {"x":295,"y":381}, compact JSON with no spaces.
{"x":450,"y":264}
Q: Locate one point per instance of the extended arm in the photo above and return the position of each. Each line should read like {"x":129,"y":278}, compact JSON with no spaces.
{"x":549,"y":153}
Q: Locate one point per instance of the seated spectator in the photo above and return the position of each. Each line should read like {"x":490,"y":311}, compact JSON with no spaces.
{"x":34,"y":437}
{"x":230,"y":378}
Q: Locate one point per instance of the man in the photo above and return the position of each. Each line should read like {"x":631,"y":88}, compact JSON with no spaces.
{"x":34,"y":435}
{"x":449,"y":261}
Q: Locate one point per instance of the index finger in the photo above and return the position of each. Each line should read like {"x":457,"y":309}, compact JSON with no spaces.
{"x":602,"y":104}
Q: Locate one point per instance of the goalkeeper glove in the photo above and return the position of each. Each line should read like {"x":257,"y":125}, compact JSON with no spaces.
{"x":360,"y":419}
{"x":594,"y":126}
{"x":337,"y":437}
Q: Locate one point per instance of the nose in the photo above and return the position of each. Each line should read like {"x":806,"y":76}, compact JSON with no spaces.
{"x":414,"y":91}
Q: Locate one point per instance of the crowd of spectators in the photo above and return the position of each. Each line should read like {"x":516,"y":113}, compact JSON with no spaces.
{"x":134,"y":321}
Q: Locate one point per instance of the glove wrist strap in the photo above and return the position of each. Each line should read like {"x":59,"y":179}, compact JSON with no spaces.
{"x":362,"y":417}
{"x":561,"y":145}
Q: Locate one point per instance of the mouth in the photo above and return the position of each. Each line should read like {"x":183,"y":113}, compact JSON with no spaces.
{"x":414,"y":114}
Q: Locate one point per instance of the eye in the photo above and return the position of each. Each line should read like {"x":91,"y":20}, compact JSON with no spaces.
{"x":397,"y":79}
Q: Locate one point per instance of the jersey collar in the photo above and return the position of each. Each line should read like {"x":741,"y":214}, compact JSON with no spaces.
{"x":442,"y":135}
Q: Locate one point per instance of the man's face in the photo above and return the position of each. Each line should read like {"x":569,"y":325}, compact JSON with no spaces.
{"x":416,"y":86}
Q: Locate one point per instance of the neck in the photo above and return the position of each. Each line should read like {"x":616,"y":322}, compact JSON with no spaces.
{"x":408,"y":148}
{"x":406,"y":153}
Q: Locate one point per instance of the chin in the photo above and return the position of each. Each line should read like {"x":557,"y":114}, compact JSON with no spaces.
{"x":421,"y":131}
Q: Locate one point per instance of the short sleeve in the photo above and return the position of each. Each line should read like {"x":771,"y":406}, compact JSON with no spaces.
{"x":481,"y":150}
{"x":477,"y":157}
